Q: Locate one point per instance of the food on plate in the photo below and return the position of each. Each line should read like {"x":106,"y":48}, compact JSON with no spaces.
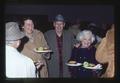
{"x":39,"y":49}
{"x":91,"y":65}
{"x":42,"y":48}
{"x":72,"y":62}
{"x":45,"y":48}
{"x":87,"y":64}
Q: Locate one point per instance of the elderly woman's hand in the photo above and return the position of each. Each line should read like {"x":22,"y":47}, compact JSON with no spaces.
{"x":77,"y":45}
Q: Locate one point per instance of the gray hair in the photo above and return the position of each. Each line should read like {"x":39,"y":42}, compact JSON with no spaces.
{"x":85,"y":34}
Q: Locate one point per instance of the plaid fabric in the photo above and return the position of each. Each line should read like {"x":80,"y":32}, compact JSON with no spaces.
{"x":60,"y":46}
{"x":13,"y":32}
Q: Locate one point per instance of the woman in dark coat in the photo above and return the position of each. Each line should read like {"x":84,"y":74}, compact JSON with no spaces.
{"x":82,"y":53}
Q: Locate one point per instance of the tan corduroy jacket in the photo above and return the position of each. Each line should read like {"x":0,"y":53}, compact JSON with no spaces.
{"x":38,"y":41}
{"x":105,"y":53}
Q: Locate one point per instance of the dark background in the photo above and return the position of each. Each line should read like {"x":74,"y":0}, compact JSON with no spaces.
{"x":43,"y":15}
{"x":96,"y":13}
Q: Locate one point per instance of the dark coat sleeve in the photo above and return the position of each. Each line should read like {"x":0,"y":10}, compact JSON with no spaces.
{"x":74,"y":54}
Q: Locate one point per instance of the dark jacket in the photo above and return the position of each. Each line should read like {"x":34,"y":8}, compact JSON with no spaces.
{"x":81,"y":55}
{"x":53,"y":63}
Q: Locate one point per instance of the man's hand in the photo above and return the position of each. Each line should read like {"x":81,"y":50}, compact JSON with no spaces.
{"x":39,"y":64}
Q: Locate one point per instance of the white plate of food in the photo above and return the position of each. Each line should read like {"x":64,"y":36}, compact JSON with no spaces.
{"x":98,"y":66}
{"x":42,"y":50}
{"x":73,"y":63}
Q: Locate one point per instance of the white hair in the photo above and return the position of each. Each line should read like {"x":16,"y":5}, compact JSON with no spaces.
{"x":85,"y":34}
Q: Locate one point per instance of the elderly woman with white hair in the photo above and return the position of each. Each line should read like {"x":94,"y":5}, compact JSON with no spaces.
{"x":84,"y":53}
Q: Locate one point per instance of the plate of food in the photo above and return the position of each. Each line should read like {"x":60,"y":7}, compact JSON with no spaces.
{"x":42,"y":50}
{"x":91,"y":66}
{"x":73,"y":63}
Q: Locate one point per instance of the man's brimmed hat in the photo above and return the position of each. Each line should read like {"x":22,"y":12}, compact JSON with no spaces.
{"x":13,"y":32}
{"x":59,"y":17}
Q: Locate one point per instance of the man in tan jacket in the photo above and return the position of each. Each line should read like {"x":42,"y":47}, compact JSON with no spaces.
{"x":105,"y":53}
{"x":36,"y":40}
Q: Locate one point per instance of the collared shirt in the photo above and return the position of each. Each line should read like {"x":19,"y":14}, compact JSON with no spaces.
{"x":18,"y":65}
{"x":60,"y":47}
